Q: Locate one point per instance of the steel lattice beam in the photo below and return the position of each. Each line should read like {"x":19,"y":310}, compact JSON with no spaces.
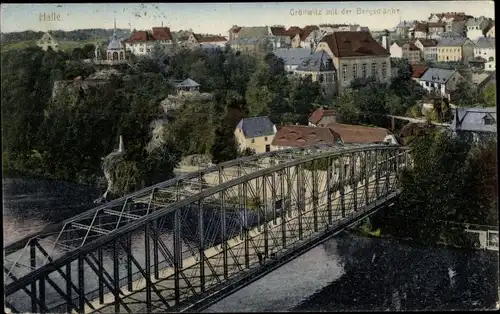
{"x":210,"y":228}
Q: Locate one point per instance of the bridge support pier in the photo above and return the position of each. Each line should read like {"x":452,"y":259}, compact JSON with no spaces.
{"x":329,"y":189}
{"x":353,"y":181}
{"x":33,"y":284}
{"x":315,"y":196}
{"x":342,"y":185}
{"x":264,"y":207}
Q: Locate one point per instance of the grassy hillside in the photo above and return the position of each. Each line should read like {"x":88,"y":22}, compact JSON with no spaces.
{"x":64,"y":45}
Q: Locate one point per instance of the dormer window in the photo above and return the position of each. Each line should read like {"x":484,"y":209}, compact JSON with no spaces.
{"x":489,"y":120}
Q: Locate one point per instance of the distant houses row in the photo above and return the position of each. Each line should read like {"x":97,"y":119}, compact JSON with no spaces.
{"x":259,"y":134}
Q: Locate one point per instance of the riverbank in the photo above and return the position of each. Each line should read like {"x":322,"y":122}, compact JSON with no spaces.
{"x":367,"y":229}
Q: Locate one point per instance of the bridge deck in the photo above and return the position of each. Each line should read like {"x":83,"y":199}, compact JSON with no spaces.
{"x":190,"y":266}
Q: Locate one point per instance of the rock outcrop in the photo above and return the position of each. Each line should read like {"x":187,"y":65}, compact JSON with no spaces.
{"x":109,"y":168}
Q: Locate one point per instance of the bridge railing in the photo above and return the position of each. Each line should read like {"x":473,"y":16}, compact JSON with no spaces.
{"x":306,"y":198}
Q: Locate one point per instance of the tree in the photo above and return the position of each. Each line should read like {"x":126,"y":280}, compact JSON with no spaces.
{"x":488,"y":95}
{"x":77,"y":53}
{"x":465,"y":94}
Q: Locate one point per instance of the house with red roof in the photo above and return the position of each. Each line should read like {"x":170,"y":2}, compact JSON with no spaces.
{"x":142,"y":42}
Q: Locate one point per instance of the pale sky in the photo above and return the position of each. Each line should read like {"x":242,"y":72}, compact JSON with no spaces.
{"x":218,"y":18}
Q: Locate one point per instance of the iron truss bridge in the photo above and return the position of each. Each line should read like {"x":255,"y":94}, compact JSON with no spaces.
{"x":184,"y":244}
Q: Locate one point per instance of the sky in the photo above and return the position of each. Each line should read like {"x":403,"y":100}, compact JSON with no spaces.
{"x":218,"y":18}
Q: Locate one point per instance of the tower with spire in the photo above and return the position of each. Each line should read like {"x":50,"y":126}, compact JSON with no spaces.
{"x":115,"y":52}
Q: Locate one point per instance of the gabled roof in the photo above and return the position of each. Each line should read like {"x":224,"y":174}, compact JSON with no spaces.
{"x":301,"y":135}
{"x":422,"y":27}
{"x":292,"y":56}
{"x":162,"y":33}
{"x":411,"y":46}
{"x":256,"y":127}
{"x":452,"y":41}
{"x":359,"y":134}
{"x":485,"y":42}
{"x":317,"y":62}
{"x":436,"y":75}
{"x":428,"y":42}
{"x":48,"y":35}
{"x":158,"y":33}
{"x":306,"y":31}
{"x":208,"y":39}
{"x":278,"y":30}
{"x":418,"y":70}
{"x":354,"y":44}
{"x":319,"y":113}
{"x":187,"y":83}
{"x":472,"y":119}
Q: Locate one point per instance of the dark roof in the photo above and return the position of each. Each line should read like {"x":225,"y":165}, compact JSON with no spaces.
{"x":428,"y":42}
{"x":317,"y":62}
{"x":354,"y":44}
{"x":472,"y":119}
{"x":359,"y":134}
{"x":436,"y":75}
{"x":422,"y":27}
{"x":256,"y":127}
{"x":319,"y":113}
{"x":411,"y":46}
{"x":301,"y":135}
{"x":207,"y":39}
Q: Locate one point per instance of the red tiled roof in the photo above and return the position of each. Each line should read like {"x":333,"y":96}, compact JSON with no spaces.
{"x":293,"y":31}
{"x":278,"y":31}
{"x":300,"y":135}
{"x":319,"y":113}
{"x":159,"y":33}
{"x":354,"y":44}
{"x":359,"y":134}
{"x":162,"y":33}
{"x":418,"y":71}
{"x":428,"y":42}
{"x":307,"y":31}
{"x":140,"y":36}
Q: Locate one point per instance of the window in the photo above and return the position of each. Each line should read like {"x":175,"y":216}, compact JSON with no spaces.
{"x":329,"y":77}
{"x":363,"y":70}
{"x":141,"y":49}
{"x":344,"y":72}
{"x":384,"y":70}
{"x":354,"y":70}
{"x":374,"y":69}
{"x":253,"y":140}
{"x":265,"y":139}
{"x":489,"y":120}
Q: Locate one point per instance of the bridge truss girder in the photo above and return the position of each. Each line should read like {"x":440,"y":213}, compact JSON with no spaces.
{"x":208,"y":240}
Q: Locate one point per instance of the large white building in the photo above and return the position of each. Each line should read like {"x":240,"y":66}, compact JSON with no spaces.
{"x":396,"y":50}
{"x":485,"y":48}
{"x":476,"y":27}
{"x":141,"y":42}
{"x":428,"y":47}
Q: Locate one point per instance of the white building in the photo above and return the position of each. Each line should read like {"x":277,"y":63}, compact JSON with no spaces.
{"x":484,"y":47}
{"x":490,"y":66}
{"x":476,"y":27}
{"x":396,"y":50}
{"x":141,"y":42}
{"x":440,"y":81}
{"x":428,"y":48}
{"x":491,"y":32}
{"x":48,"y":41}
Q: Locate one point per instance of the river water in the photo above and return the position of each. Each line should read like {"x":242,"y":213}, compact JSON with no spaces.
{"x":346,"y":273}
